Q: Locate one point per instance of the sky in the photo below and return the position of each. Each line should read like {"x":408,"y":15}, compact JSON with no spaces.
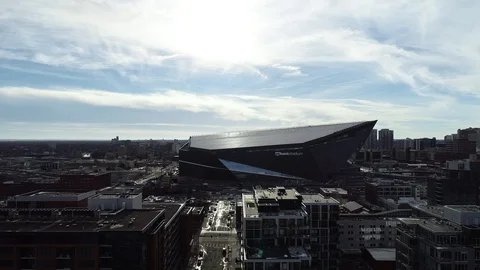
{"x":96,"y":69}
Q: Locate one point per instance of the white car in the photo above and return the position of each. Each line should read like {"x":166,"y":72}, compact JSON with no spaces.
{"x":199,"y":264}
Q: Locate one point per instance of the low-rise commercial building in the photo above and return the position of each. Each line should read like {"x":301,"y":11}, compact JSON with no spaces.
{"x":393,"y":189}
{"x":379,"y":258}
{"x":50,"y":199}
{"x":81,"y":239}
{"x":115,"y":201}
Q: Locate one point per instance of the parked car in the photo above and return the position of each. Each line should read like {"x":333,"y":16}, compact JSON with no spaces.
{"x":224,"y":252}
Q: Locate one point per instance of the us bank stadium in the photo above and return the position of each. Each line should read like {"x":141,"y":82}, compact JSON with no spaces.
{"x":299,"y":153}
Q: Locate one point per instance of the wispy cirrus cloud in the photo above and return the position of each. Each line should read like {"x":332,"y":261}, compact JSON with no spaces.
{"x":239,"y":108}
{"x":322,"y":61}
{"x":290,"y":71}
{"x":420,"y":43}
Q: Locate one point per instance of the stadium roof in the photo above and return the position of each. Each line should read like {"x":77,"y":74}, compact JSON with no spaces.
{"x":270,"y":137}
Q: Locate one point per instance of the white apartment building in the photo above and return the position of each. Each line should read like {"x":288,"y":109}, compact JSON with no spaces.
{"x":281,"y":229}
{"x":357,"y":233}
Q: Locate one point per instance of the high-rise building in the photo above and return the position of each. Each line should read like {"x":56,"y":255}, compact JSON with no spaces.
{"x":323,"y":213}
{"x":385,"y":139}
{"x":372,"y":140}
{"x":450,"y":137}
{"x":451,"y":241}
{"x":424,"y":143}
{"x":283,"y":229}
{"x":465,"y":141}
{"x":458,"y":186}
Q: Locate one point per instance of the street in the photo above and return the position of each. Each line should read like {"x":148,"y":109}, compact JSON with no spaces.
{"x":218,"y":233}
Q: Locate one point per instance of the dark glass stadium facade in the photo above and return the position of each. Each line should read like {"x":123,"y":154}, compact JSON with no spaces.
{"x":310,"y":152}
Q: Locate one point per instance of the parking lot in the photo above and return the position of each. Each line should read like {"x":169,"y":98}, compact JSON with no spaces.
{"x":218,"y":238}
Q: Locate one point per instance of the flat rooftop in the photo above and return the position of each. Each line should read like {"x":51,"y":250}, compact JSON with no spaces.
{"x":59,"y":195}
{"x":250,"y":209}
{"x":382,"y":254}
{"x":352,"y":206}
{"x":318,"y":198}
{"x":432,"y":210}
{"x":114,"y":196}
{"x":127,"y":220}
{"x":276,"y":193}
{"x":120,"y":190}
{"x":334,"y":191}
{"x":278,"y":253}
{"x":465,"y":208}
{"x":249,"y":206}
{"x":270,"y":137}
{"x":432,"y":225}
{"x":170,"y":208}
{"x":55,"y":194}
{"x":389,"y":182}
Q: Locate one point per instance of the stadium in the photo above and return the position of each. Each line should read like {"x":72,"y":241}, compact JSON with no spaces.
{"x":299,"y":153}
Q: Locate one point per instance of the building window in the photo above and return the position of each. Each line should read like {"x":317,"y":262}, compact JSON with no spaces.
{"x":45,"y":251}
{"x":84,"y":252}
{"x":476,"y":242}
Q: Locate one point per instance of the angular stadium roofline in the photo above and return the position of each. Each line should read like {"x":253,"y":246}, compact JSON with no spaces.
{"x":308,"y":152}
{"x":269,"y":137}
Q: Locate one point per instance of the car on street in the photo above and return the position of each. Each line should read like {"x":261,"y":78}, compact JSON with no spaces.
{"x":198,"y":266}
{"x":224,"y":252}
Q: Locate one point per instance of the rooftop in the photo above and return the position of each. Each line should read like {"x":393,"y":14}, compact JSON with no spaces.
{"x":114,"y":196}
{"x":431,"y":210}
{"x":352,"y":206}
{"x":258,"y":138}
{"x":382,"y":254}
{"x":170,"y":208}
{"x":277,"y":253}
{"x":276,"y":193}
{"x":317,"y":198}
{"x":465,"y":208}
{"x":127,"y":220}
{"x":388,"y":182}
{"x":334,"y":191}
{"x":53,"y":193}
{"x":59,"y":195}
{"x":249,"y":207}
{"x":432,"y":225}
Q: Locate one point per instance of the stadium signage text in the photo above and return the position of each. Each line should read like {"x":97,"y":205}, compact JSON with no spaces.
{"x":288,"y":154}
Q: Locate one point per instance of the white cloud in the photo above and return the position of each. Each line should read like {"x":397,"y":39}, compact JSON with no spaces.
{"x":274,"y":111}
{"x":290,"y":71}
{"x":417,"y":43}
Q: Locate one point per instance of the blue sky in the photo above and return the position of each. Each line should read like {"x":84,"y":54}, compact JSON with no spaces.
{"x":170,"y":69}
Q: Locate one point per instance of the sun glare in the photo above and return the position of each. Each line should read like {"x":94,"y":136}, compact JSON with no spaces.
{"x":218,"y":31}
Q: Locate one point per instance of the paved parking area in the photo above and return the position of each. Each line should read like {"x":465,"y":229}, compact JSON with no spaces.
{"x":219,"y":232}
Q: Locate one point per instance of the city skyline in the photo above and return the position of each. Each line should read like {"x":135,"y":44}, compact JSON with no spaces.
{"x":97,"y":69}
